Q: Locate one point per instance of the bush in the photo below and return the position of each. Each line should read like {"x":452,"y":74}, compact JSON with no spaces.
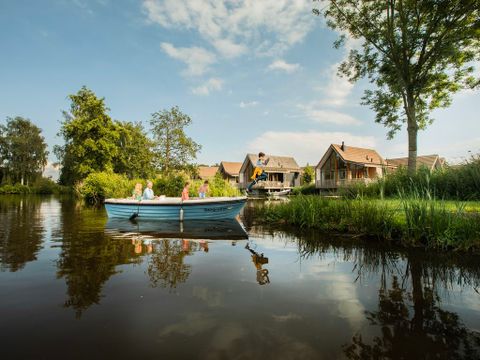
{"x":169,"y":185}
{"x":15,"y":189}
{"x":99,"y":186}
{"x":307,"y":189}
{"x":218,"y":187}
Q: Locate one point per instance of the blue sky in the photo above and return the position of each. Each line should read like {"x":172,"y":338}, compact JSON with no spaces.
{"x":253,"y":75}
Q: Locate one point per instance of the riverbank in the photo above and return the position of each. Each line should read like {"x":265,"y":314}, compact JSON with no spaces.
{"x":410,"y":222}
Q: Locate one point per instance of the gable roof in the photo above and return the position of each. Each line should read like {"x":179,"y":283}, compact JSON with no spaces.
{"x":355,"y":155}
{"x":275,"y":163}
{"x":424,"y":160}
{"x":231,"y":168}
{"x":207,"y":171}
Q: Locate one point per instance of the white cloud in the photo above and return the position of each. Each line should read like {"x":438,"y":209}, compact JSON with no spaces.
{"x":52,"y":170}
{"x":268,"y":27}
{"x":197,"y":59}
{"x":228,"y":48}
{"x":327,"y":116}
{"x":337,"y":90}
{"x":283,"y":66}
{"x":212,"y":84}
{"x":305,"y":146}
{"x":247,"y":104}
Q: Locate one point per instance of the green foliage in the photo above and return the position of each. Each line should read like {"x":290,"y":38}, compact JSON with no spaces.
{"x":308,"y":175}
{"x":15,"y":189}
{"x":134,"y":156}
{"x":23,"y":151}
{"x":103,"y":185}
{"x":418,"y":221}
{"x":170,"y":184}
{"x":96,"y":143}
{"x":218,"y":186}
{"x":416,"y":53}
{"x":308,"y":189}
{"x":90,"y":138}
{"x":461,"y":182}
{"x":173,"y":148}
{"x":41,"y":186}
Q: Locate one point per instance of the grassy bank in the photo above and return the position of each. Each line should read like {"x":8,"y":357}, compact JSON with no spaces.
{"x":410,"y":221}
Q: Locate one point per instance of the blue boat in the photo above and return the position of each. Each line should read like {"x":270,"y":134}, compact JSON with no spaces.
{"x":214,"y":208}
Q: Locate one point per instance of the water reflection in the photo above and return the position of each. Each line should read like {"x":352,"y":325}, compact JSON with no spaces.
{"x":88,"y":258}
{"x":259,"y":260}
{"x":212,"y":288}
{"x":409,"y":317}
{"x":21,"y":231}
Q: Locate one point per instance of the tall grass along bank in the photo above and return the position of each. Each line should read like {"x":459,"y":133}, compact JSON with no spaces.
{"x":414,"y":221}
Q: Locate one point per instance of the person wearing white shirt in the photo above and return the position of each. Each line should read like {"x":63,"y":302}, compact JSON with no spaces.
{"x":148,"y":193}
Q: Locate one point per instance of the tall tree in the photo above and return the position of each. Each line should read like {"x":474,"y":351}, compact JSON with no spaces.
{"x":415,"y":53}
{"x":308,"y":174}
{"x":23,"y":150}
{"x":173,"y":148}
{"x":90,"y":136}
{"x":135,"y":151}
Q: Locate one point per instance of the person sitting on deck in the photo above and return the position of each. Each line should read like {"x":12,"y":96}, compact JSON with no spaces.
{"x":259,"y":173}
{"x":203,"y":190}
{"x":137,"y":192}
{"x":185,"y":191}
{"x":148,"y":193}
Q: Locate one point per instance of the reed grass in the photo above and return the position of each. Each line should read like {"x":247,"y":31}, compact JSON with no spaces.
{"x":418,"y":220}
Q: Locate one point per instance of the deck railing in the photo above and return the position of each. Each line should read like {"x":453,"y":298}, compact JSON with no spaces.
{"x":332,"y":184}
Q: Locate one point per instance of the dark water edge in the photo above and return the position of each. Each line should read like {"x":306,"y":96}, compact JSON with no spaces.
{"x":73,"y":285}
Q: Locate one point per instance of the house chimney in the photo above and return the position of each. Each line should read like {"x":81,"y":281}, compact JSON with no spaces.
{"x":343,"y":146}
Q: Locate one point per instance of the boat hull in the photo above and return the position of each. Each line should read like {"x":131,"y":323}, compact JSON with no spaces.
{"x":175,"y":209}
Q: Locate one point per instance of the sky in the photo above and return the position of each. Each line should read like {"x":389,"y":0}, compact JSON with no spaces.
{"x":253,"y":76}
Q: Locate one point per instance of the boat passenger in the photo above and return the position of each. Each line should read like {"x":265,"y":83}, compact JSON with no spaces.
{"x":185,"y":191}
{"x":137,"y":192}
{"x":148,"y":193}
{"x":203,"y":190}
{"x":259,"y":173}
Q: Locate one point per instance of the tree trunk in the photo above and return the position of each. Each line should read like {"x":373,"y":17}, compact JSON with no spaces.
{"x":412,"y":130}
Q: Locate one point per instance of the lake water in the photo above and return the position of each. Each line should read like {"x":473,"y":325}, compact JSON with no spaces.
{"x":76,"y":286}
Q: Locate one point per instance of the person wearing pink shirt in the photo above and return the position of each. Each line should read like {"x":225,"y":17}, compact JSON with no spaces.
{"x":185,"y":191}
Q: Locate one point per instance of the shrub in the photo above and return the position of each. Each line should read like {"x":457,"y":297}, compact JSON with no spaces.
{"x":15,"y":189}
{"x":307,"y":189}
{"x":98,"y":186}
{"x":218,"y":187}
{"x":169,"y":185}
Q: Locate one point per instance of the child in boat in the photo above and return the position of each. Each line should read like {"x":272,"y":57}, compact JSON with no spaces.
{"x":259,"y":172}
{"x":203,"y":190}
{"x":185,"y":191}
{"x":137,"y":192}
{"x":148,"y":193}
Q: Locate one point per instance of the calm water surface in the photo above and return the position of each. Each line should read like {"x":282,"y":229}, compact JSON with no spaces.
{"x":76,"y":286}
